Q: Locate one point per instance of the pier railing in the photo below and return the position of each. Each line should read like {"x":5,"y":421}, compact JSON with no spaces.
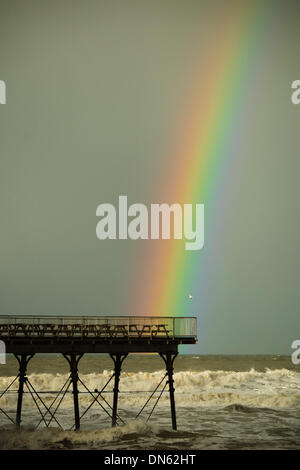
{"x":98,"y":326}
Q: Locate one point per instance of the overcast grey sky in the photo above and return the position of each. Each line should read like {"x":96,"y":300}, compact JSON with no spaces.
{"x":94,"y":91}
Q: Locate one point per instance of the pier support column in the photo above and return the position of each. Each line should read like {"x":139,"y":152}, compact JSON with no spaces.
{"x":73,"y":361}
{"x":23,"y":360}
{"x":169,"y":359}
{"x":118,"y":359}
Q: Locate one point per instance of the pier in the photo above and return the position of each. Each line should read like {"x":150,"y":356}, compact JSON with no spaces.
{"x":118,"y":336}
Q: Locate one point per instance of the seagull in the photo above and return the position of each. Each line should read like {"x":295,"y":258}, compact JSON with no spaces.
{"x":190,"y":296}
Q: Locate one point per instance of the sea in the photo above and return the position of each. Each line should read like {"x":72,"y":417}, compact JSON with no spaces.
{"x":222,"y":402}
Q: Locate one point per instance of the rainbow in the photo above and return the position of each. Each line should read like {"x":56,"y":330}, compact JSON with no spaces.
{"x":202,"y":159}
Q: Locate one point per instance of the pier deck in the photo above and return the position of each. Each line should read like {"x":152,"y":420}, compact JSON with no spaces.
{"x":49,"y":334}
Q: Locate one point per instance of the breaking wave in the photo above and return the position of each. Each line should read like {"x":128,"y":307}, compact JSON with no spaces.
{"x":270,"y":389}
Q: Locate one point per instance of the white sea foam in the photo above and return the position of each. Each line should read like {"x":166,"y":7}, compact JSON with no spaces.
{"x":273,"y":388}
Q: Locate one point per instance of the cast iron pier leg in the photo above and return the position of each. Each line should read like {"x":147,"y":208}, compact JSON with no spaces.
{"x":23,"y":362}
{"x":73,"y":362}
{"x":118,"y":360}
{"x":169,"y":361}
